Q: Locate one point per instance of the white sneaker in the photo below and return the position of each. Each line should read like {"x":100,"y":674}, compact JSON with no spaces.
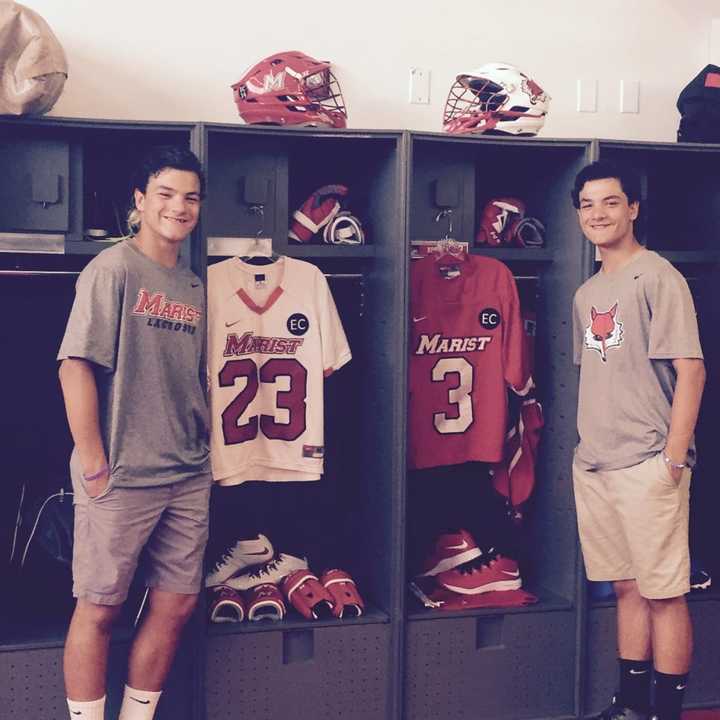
{"x":244,"y":554}
{"x":272,"y":572}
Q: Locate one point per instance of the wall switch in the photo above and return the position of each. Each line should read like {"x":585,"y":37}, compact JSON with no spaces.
{"x":629,"y":96}
{"x":587,"y":91}
{"x":714,"y":50}
{"x":419,"y":86}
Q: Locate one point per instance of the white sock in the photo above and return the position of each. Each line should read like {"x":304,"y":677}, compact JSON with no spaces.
{"x":139,"y":704}
{"x":91,"y":710}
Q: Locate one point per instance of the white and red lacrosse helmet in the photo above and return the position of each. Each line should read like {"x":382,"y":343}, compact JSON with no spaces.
{"x":497,"y":99}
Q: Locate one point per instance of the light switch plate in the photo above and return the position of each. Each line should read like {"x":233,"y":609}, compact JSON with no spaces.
{"x":629,"y":96}
{"x":587,"y":89}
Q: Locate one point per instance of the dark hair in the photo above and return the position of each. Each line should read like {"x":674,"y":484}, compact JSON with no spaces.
{"x":600,"y":170}
{"x":165,"y":157}
{"x":153,"y":163}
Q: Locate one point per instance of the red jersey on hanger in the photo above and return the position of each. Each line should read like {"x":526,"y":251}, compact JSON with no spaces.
{"x":466,"y":347}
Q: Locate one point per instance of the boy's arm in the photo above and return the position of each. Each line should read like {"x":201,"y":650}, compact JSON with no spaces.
{"x":685,"y":407}
{"x":79,"y":388}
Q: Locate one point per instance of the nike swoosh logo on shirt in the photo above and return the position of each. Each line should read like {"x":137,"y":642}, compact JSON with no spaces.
{"x":680,"y":687}
{"x":142,"y":702}
{"x":515,"y":573}
{"x":637,"y":672}
{"x":424,"y":317}
{"x":227,"y":324}
{"x":463,"y":546}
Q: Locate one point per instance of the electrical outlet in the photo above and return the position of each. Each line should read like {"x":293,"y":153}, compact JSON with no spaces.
{"x":419,"y":86}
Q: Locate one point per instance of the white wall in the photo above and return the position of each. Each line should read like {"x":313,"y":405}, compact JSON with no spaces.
{"x":160,"y":60}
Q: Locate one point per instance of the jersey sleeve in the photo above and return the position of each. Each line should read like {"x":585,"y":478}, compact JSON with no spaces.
{"x":515,"y":361}
{"x":92,"y":329}
{"x":673,"y":324}
{"x":335,"y":348}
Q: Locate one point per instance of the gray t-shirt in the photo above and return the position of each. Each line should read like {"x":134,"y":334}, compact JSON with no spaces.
{"x":628,"y":326}
{"x":143,"y":327}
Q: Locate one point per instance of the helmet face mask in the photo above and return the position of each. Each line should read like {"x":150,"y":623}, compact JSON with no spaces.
{"x":290,"y":88}
{"x":495,"y":99}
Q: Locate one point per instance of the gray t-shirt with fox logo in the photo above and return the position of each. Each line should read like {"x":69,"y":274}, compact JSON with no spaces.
{"x":628,"y":327}
{"x":142,"y":325}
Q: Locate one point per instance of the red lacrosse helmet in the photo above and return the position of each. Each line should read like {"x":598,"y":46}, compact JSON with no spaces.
{"x":290,"y":88}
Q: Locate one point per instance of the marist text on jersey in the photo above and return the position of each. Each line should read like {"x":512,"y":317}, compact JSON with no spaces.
{"x":437,"y":344}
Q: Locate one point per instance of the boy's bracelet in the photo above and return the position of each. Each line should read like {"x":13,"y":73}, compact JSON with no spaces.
{"x":97,"y":475}
{"x":676,"y":466}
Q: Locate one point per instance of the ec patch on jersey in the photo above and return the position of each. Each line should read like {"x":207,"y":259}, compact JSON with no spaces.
{"x":489,"y":318}
{"x":298,"y":324}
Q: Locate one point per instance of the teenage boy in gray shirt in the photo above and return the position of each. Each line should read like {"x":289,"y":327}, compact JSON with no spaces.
{"x":641,"y":381}
{"x":132,"y":383}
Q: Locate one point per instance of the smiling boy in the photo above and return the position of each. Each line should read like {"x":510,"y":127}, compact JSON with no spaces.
{"x":641,"y":381}
{"x":131,"y":380}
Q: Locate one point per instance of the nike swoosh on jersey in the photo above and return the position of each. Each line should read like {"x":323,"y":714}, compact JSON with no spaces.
{"x":142,"y":702}
{"x":513,"y":573}
{"x":463,"y":546}
{"x":637,"y":672}
{"x":228,"y":325}
{"x":424,"y":317}
{"x":680,"y":687}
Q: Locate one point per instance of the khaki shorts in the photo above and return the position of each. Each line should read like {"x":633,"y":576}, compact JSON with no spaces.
{"x":167,"y":524}
{"x":633,"y":524}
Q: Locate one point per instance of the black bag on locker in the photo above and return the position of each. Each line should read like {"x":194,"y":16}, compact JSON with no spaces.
{"x":699,"y":107}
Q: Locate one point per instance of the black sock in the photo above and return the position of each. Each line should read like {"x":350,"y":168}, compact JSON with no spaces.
{"x":669,"y":692}
{"x":635,"y":676}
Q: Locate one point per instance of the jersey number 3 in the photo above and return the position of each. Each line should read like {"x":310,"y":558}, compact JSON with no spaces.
{"x":292,"y":400}
{"x":459,"y":417}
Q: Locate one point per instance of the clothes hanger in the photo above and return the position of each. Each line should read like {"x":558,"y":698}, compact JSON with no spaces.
{"x":257,"y":253}
{"x":447,"y":248}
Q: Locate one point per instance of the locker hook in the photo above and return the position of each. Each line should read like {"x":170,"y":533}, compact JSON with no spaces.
{"x":448,"y":213}
{"x":260,"y":211}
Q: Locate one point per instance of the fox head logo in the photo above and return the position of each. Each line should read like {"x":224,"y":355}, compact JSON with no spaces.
{"x":604,"y":332}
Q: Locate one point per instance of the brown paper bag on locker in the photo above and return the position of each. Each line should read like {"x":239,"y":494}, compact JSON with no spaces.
{"x":33,"y":67}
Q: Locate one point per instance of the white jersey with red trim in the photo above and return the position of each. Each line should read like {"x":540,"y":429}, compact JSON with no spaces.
{"x":274,"y":334}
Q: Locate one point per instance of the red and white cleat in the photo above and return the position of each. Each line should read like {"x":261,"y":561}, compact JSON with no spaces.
{"x":450,"y":551}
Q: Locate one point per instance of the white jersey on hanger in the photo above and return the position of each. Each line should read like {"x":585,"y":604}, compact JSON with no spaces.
{"x":273,"y":336}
